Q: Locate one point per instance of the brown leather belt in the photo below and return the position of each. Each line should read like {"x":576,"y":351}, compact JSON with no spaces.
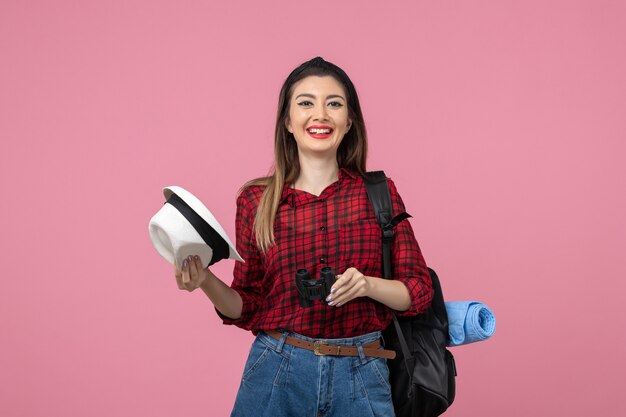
{"x":320,"y":349}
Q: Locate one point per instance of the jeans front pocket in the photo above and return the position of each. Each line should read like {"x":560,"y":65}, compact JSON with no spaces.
{"x":373,"y":373}
{"x":371,"y":382}
{"x":265,"y":365}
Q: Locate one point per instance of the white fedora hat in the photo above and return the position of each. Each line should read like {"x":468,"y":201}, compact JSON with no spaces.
{"x":184,"y":227}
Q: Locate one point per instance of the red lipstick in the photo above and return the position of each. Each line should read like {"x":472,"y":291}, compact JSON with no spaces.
{"x":319,"y":131}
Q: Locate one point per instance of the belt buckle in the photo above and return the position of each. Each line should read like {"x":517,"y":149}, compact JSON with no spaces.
{"x":318,"y":344}
{"x":316,"y":348}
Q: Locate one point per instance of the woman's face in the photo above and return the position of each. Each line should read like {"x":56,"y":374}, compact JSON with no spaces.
{"x":318,"y":115}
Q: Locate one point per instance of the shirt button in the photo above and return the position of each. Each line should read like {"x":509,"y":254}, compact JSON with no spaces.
{"x":323,"y":228}
{"x":323,"y":260}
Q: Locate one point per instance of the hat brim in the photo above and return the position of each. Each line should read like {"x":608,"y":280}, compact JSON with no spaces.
{"x":175,"y":238}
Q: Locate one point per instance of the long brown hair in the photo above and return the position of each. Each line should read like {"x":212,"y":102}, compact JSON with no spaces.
{"x":351,"y":154}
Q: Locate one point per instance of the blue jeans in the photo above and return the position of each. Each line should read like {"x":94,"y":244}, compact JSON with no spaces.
{"x":281,"y":380}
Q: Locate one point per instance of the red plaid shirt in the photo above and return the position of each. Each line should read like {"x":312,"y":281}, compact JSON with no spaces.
{"x":337,"y":229}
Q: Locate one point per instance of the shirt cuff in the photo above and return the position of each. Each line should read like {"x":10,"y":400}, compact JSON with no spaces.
{"x":247,"y":311}
{"x":421,"y":296}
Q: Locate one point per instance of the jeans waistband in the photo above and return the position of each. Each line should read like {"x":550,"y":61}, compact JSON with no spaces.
{"x":347,"y":341}
{"x":363,"y":346}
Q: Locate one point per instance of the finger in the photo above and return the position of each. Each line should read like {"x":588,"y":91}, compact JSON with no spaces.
{"x":355,"y":288}
{"x":177,"y":269}
{"x":351,"y":277}
{"x":193,"y":268}
{"x":342,"y":280}
{"x":179,"y":281}
{"x":198,"y":262}
{"x":349,"y":295}
{"x":193,"y":274}
{"x":178,"y":274}
{"x":200,"y":268}
{"x":185,"y":272}
{"x":342,"y":298}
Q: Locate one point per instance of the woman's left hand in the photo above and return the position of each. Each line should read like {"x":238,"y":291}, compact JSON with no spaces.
{"x":349,"y":285}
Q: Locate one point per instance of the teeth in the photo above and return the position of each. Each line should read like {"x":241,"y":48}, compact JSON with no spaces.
{"x":319,"y":131}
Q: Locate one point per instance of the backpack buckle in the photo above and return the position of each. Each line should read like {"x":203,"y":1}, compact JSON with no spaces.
{"x":387,"y":233}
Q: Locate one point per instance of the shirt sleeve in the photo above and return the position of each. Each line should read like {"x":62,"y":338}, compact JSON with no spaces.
{"x":407,"y":261}
{"x":248,"y":275}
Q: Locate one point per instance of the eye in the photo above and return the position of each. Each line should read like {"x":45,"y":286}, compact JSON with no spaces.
{"x":305,"y":103}
{"x":335,"y":104}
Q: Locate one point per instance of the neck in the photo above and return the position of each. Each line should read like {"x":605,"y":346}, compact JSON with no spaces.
{"x":316,"y":174}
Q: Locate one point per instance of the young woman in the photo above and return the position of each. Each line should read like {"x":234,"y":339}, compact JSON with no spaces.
{"x":315,"y":357}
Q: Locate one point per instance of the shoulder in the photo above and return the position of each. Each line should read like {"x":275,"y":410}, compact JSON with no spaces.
{"x":393,"y":190}
{"x":390,"y":183}
{"x":396,"y":199}
{"x":249,"y":195}
{"x":249,"y":198}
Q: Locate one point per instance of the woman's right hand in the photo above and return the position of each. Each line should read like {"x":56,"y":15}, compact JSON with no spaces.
{"x":191,"y":275}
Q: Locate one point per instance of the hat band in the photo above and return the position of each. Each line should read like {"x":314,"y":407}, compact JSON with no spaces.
{"x":206,"y":232}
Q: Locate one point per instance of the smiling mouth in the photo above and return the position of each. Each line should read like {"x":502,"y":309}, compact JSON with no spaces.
{"x":319,"y":131}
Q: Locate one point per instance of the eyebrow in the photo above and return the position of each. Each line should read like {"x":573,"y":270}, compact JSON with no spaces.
{"x":313,"y":96}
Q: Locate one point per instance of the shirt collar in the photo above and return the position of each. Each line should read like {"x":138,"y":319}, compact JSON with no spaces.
{"x":346,"y":172}
{"x":295,"y":197}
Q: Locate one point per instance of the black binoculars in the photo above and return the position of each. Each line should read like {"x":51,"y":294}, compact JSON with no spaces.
{"x":309,"y":289}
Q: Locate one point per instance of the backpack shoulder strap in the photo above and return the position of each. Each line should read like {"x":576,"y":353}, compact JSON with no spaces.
{"x":378,"y":193}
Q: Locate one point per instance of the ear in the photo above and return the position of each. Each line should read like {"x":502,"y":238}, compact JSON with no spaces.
{"x":288,"y":125}
{"x":349,"y":125}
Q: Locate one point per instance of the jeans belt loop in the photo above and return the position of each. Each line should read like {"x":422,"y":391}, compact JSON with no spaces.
{"x":359,"y":347}
{"x":281,"y":342}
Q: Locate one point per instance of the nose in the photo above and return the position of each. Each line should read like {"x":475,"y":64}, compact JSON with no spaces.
{"x":321,"y":113}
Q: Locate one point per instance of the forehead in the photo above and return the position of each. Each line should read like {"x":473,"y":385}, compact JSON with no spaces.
{"x":318,"y":86}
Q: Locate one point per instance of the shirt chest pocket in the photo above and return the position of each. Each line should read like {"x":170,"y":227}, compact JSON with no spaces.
{"x":360,"y":246}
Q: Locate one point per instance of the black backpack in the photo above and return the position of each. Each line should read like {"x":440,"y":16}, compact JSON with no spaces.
{"x":422,"y":374}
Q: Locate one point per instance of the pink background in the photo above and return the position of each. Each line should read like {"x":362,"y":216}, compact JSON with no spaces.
{"x":501,"y":122}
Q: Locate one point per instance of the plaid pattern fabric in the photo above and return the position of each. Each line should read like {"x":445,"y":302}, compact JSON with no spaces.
{"x":336,"y":229}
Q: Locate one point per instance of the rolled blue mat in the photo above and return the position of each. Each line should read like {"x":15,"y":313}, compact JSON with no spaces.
{"x":469,"y":322}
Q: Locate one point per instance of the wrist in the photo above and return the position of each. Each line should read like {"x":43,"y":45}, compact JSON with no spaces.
{"x":207,"y":279}
{"x":371,"y":287}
